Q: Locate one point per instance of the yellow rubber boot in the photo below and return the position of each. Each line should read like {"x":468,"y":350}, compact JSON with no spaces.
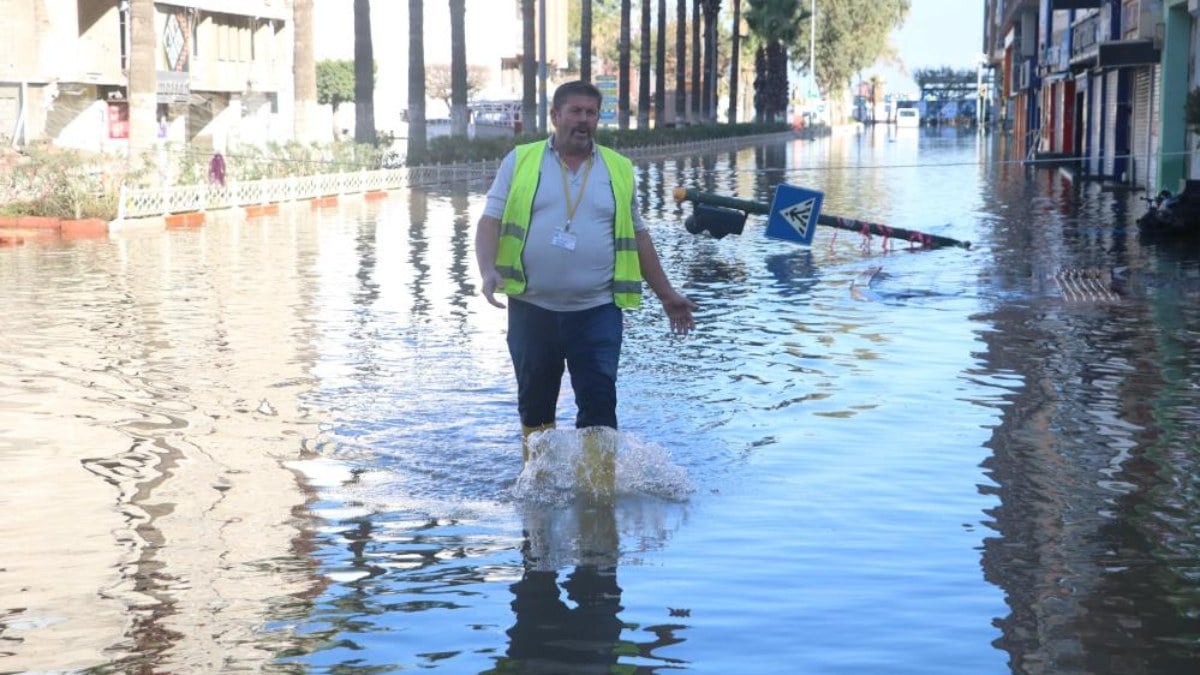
{"x":525,"y":433}
{"x":597,"y":471}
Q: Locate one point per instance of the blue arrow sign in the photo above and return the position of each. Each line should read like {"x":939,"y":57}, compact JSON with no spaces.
{"x":794,"y":212}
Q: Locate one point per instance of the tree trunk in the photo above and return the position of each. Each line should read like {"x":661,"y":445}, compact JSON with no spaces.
{"x":709,"y":111}
{"x":760,"y":84}
{"x":585,"y":41}
{"x":304,"y":73}
{"x":680,"y":62}
{"x":364,"y":74}
{"x":644,"y":70}
{"x":416,"y":83}
{"x":623,"y":68}
{"x":143,"y":78}
{"x":777,"y":81}
{"x":696,"y":51}
{"x":528,"y":67}
{"x":733,"y":61}
{"x":660,"y":67}
{"x":458,"y":68}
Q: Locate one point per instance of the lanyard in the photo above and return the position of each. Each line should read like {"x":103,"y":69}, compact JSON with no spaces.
{"x":587,"y":171}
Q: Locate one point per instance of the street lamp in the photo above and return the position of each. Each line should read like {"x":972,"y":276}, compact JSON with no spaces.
{"x":812,"y":47}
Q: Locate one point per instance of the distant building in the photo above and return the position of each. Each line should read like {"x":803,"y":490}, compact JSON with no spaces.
{"x":1099,"y":85}
{"x":224,"y":71}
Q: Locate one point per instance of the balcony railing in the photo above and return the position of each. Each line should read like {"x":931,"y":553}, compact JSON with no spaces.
{"x":1085,"y":38}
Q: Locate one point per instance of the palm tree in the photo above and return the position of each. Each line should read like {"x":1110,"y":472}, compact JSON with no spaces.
{"x":143,"y":81}
{"x":660,"y":66}
{"x":733,"y":61}
{"x":304,"y":72}
{"x":696,"y":51}
{"x":712,"y":8}
{"x":364,"y":74}
{"x":680,"y":61}
{"x":774,"y":24}
{"x":644,"y":70}
{"x":585,"y":41}
{"x":416,"y":81}
{"x":876,"y":83}
{"x":528,"y":67}
{"x":623,"y":68}
{"x":458,"y":68}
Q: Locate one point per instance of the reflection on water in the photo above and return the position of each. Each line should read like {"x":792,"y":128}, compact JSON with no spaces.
{"x":149,"y":386}
{"x":584,"y":634}
{"x":866,"y":459}
{"x":1095,"y":460}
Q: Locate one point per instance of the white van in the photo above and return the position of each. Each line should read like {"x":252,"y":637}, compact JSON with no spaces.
{"x":908,"y":117}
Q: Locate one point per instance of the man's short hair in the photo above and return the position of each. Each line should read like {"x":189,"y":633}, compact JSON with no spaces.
{"x":576,"y":88}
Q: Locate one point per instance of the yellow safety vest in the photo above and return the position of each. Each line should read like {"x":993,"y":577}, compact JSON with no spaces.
{"x":518,"y":210}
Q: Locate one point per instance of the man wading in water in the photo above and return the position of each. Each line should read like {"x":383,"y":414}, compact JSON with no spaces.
{"x":562,"y":237}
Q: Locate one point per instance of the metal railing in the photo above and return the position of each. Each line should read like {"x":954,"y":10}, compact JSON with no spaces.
{"x":147,"y":202}
{"x":161,"y":201}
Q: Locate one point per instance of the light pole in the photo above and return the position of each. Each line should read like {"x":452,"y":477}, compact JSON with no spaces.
{"x":812,"y":47}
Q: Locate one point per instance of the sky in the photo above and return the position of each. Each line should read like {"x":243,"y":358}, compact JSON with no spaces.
{"x":936,"y":33}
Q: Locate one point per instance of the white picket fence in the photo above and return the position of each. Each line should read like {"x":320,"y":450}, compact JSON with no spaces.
{"x":148,"y":202}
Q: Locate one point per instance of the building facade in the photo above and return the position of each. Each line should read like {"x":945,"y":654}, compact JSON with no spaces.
{"x":223,"y":70}
{"x":1100,"y":84}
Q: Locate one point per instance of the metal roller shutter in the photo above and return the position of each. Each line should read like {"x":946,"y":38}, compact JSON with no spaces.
{"x":1155,"y":151}
{"x":1141,"y":126}
{"x":1111,"y":80}
{"x":1096,"y":154}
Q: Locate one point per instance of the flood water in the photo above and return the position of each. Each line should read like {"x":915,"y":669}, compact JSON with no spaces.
{"x":290,"y":444}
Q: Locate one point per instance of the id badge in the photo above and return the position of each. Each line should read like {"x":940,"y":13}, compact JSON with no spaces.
{"x":564,"y":240}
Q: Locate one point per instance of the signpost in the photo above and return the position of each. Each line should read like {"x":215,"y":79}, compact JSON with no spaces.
{"x":794,"y":213}
{"x":607,"y":84}
{"x":793,"y":218}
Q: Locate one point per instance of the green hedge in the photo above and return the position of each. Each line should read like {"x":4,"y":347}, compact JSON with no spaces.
{"x":453,"y":150}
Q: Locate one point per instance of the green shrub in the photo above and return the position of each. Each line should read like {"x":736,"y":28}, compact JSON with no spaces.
{"x":450,"y":150}
{"x":458,"y":149}
{"x":273,"y":160}
{"x":61,"y":183}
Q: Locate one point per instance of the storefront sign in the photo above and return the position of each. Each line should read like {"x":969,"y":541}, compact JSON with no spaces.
{"x":174,"y":87}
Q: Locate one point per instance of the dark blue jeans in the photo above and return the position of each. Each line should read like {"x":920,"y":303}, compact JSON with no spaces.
{"x":587,"y":342}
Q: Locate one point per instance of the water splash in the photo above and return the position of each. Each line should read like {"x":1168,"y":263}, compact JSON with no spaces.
{"x":560,"y":470}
